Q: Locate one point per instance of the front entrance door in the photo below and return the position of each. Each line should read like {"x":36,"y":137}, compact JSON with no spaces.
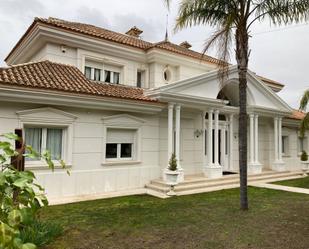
{"x":223,"y":147}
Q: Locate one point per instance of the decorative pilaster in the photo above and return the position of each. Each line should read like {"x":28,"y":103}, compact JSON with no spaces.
{"x":213,"y":170}
{"x":251,"y":138}
{"x":170,"y":131}
{"x":254,"y":166}
{"x":231,"y":137}
{"x":278,"y":164}
{"x":256,"y":139}
{"x":217,"y":138}
{"x":209,"y":139}
{"x":204,"y":138}
{"x":177,"y":144}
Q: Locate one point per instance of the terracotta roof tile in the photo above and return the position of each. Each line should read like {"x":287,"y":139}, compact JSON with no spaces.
{"x":55,"y":76}
{"x":299,"y":115}
{"x":99,"y":32}
{"x":172,"y":47}
{"x":125,"y":39}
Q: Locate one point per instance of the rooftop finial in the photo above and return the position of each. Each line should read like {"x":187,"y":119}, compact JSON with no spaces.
{"x":166,"y":32}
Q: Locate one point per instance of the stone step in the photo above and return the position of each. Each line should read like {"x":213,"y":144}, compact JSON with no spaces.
{"x":221,"y":183}
{"x":205,"y":184}
{"x":201,"y":178}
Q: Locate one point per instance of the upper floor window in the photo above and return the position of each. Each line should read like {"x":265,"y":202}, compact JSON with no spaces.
{"x":111,"y":77}
{"x":93,"y":73}
{"x":167,"y":75}
{"x":140,"y":78}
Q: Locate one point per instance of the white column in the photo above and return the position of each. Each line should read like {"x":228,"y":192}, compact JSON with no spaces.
{"x":231,"y":137}
{"x":256,"y":139}
{"x":251,"y":138}
{"x":204,"y":137}
{"x":280,"y":139}
{"x":217,"y":137}
{"x":170,"y":131}
{"x":177,"y":138}
{"x":209,"y":139}
{"x":223,"y":146}
{"x":276,"y":138}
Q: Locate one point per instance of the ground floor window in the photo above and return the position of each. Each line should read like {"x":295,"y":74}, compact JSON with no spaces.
{"x":285,"y":145}
{"x":44,"y":138}
{"x":302,"y":145}
{"x":120,"y":144}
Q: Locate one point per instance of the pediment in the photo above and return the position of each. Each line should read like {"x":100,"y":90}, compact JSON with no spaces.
{"x":208,"y":86}
{"x":46,"y":113}
{"x":123,"y":120}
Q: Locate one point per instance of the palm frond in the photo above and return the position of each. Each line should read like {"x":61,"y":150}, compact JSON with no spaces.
{"x":304,"y":101}
{"x":197,"y":12}
{"x":283,"y":11}
{"x":304,"y":125}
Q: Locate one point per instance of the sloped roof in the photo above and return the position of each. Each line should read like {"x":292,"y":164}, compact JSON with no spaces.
{"x":47,"y":75}
{"x":101,"y":33}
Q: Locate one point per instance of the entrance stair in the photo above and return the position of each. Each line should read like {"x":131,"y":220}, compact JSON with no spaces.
{"x":194,"y":184}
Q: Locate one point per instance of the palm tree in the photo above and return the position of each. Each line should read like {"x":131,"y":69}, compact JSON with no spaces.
{"x":232,"y":20}
{"x":304,"y":125}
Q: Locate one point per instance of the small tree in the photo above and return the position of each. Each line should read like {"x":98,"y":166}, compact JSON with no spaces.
{"x":20,"y":196}
{"x":173,"y":163}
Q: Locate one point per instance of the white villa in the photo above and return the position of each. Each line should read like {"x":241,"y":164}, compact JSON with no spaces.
{"x":115,"y":107}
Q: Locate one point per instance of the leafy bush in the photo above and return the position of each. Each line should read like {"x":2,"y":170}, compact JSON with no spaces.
{"x":173,"y":163}
{"x":40,"y":233}
{"x":20,"y":196}
{"x":304,"y":156}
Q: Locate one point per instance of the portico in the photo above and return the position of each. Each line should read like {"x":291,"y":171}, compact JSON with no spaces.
{"x":216,"y":138}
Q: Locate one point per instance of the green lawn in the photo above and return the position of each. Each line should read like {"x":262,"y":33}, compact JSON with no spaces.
{"x":276,"y":219}
{"x":300,"y":183}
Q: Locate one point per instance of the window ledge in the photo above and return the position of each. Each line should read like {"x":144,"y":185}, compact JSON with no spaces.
{"x":43,"y":166}
{"x":112,"y":163}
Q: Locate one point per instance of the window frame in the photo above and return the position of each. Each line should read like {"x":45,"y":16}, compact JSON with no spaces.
{"x":44,"y":128}
{"x":51,"y":118}
{"x":134,"y":145}
{"x":285,"y":147}
{"x":125,"y":122}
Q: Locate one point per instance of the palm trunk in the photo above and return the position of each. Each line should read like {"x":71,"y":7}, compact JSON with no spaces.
{"x":242,"y":63}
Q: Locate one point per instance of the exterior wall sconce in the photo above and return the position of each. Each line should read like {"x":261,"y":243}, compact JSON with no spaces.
{"x":198,"y":133}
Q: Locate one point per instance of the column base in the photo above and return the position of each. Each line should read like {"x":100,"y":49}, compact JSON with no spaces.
{"x":213,"y":171}
{"x":254,"y":168}
{"x":278,"y":166}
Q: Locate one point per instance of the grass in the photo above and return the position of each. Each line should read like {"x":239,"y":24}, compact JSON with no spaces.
{"x":299,"y":183}
{"x":41,"y":233}
{"x":276,"y":219}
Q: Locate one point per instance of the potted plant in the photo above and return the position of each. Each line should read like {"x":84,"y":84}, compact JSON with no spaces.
{"x":304,"y":161}
{"x":171,"y":174}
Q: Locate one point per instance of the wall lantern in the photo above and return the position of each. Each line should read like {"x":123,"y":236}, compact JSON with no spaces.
{"x":198,"y":133}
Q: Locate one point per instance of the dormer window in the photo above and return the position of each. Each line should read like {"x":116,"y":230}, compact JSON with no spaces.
{"x":140,"y":78}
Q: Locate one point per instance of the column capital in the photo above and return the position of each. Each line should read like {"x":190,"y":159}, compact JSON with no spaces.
{"x":276,"y":118}
{"x":256,"y":116}
{"x":217,"y":111}
{"x":211,"y":110}
{"x":178,"y":106}
{"x":171,"y":105}
{"x":251,"y":115}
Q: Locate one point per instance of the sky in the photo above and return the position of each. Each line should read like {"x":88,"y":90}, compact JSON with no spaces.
{"x":279,"y":53}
